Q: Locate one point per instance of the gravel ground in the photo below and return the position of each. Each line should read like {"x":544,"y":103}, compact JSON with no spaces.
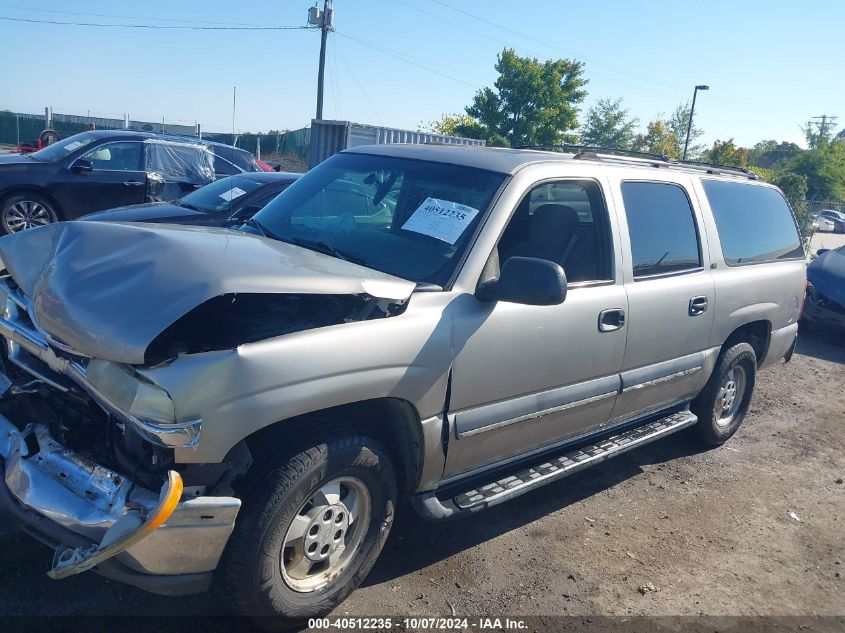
{"x":756,"y":527}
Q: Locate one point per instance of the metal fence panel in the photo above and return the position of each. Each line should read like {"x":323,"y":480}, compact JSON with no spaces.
{"x":331,"y":137}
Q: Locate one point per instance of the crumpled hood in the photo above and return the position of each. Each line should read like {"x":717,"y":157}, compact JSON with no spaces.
{"x":827,"y":274}
{"x":108,"y":289}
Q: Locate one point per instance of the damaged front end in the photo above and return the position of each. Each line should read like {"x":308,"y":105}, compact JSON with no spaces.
{"x":97,"y":322}
{"x":88,"y":469}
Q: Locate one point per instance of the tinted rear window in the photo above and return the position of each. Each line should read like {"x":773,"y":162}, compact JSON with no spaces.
{"x":754,"y":223}
{"x":664,"y":239}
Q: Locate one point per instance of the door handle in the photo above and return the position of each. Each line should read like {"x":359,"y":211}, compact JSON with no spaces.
{"x":132,"y":183}
{"x":697,"y":306}
{"x":610,"y":320}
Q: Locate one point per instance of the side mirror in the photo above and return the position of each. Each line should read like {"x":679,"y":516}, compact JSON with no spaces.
{"x":82,"y":166}
{"x":526,"y":280}
{"x":822,"y":251}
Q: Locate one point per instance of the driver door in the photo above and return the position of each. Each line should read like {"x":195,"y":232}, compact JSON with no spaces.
{"x":116,"y":179}
{"x":528,"y":377}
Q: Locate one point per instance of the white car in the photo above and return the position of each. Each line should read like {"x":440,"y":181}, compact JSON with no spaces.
{"x":823,"y":225}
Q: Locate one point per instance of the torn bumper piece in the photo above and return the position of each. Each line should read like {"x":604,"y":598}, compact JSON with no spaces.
{"x":95,"y":518}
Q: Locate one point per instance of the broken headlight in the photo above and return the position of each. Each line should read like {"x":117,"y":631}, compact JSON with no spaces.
{"x":130,"y":392}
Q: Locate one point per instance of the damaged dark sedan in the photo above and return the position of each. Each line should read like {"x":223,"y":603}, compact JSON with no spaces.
{"x":825,"y":303}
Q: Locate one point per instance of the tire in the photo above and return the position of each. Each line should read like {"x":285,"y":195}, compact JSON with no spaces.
{"x":23,"y":211}
{"x":48,"y":137}
{"x":261,"y":573}
{"x":718,"y":421}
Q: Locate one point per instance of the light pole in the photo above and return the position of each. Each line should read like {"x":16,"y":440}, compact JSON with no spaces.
{"x":691,"y":112}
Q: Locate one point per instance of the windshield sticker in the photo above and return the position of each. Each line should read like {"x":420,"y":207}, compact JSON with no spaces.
{"x":72,"y":146}
{"x":234,"y":192}
{"x":441,"y":219}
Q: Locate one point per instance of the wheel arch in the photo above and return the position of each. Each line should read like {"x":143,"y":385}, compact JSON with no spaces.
{"x":394,"y":422}
{"x":40,"y":191}
{"x":757,"y":333}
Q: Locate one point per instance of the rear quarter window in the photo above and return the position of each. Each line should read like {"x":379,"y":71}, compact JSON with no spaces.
{"x":754,"y":223}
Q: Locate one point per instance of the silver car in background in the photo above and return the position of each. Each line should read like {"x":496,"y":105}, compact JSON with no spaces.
{"x":188,"y":406}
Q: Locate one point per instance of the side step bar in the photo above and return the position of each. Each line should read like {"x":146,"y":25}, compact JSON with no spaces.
{"x":549,"y":469}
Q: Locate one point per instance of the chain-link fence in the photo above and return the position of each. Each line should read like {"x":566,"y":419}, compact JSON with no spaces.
{"x":17,"y":128}
{"x":815,"y":231}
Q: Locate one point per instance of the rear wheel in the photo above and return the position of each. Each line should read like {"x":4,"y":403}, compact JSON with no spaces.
{"x":309,"y":531}
{"x":722,"y":405}
{"x":25,"y":211}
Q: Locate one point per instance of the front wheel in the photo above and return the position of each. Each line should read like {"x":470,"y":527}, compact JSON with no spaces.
{"x":310,"y":530}
{"x":723,"y":403}
{"x":25,"y":211}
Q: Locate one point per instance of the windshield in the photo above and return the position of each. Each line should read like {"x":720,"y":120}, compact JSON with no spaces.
{"x":59,"y":150}
{"x":220,"y":194}
{"x":409,"y":218}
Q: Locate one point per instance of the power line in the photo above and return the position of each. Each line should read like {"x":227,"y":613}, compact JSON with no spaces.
{"x":405,"y":59}
{"x":354,"y":78}
{"x":159,"y":26}
{"x":558,"y":48}
{"x":333,"y":82}
{"x":125,"y":17}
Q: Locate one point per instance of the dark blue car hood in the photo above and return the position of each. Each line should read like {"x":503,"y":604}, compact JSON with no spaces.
{"x":150,"y":212}
{"x":827,"y":274}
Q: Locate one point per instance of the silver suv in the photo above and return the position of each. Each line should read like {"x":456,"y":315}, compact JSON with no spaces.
{"x":187,"y":408}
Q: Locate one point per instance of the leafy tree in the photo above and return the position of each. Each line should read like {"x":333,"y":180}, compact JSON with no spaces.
{"x":658,"y":139}
{"x":532,"y":102}
{"x":453,"y":125}
{"x":609,"y":125}
{"x":773,"y":155}
{"x":678,"y":123}
{"x":726,"y":153}
{"x":824,"y":169}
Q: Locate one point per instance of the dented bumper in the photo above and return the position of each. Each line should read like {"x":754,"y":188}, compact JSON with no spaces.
{"x":66,"y":500}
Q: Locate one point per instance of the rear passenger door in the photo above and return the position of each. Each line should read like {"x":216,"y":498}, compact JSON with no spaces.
{"x":670,"y":295}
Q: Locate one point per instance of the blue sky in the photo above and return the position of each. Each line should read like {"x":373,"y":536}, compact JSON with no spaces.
{"x":770,"y":64}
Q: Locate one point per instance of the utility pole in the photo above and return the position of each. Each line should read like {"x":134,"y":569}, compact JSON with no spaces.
{"x":825,"y":124}
{"x":691,"y":112}
{"x":325,"y":20}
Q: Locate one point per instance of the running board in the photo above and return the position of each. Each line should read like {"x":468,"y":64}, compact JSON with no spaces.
{"x":549,"y":469}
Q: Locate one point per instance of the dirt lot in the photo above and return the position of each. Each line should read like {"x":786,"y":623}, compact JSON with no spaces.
{"x":711,"y":531}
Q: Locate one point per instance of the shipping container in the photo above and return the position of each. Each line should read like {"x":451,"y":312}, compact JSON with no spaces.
{"x":331,"y":137}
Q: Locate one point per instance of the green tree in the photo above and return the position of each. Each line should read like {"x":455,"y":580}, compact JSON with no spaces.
{"x":532,"y":102}
{"x":658,"y":139}
{"x":726,"y":153}
{"x":824,"y":169}
{"x":773,"y":155}
{"x":678,"y":123}
{"x":608,"y":124}
{"x":451,"y":124}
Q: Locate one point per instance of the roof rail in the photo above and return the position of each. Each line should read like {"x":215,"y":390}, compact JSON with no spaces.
{"x":593,"y":152}
{"x":585,"y":151}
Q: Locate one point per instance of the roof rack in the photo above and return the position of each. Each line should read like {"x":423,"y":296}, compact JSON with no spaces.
{"x":656,"y":160}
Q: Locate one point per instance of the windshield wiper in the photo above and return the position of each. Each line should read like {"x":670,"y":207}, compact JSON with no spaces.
{"x":319,"y":246}
{"x":327,"y":249}
{"x":265,"y":232}
{"x":179,"y":203}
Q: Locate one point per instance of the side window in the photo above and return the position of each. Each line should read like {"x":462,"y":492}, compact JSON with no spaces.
{"x":564,"y":222}
{"x":662,"y":228}
{"x":259,"y":202}
{"x":754,"y":222}
{"x":118,"y":156}
{"x":223,"y":167}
